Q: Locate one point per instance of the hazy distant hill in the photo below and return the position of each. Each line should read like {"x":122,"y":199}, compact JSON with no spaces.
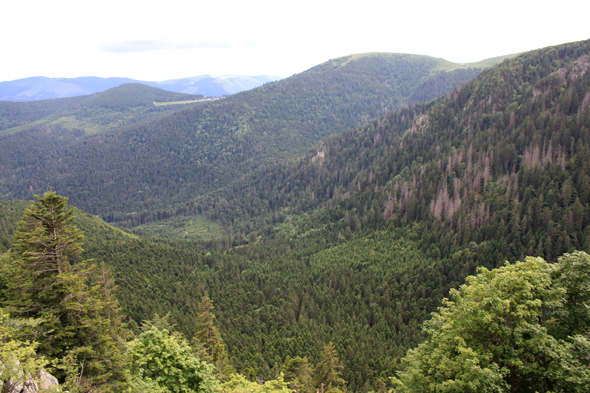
{"x":214,"y":86}
{"x":118,"y":106}
{"x":41,"y":88}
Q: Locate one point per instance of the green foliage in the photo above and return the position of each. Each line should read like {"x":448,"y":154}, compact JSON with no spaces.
{"x":115,"y":102}
{"x":203,"y":148}
{"x":290,"y":292}
{"x":494,"y":335}
{"x":328,"y":372}
{"x":208,"y":340}
{"x":166,"y":361}
{"x":10,"y":214}
{"x":46,"y":285}
{"x":183,"y":227}
{"x":299,"y":374}
{"x":239,"y":384}
{"x":572,"y":273}
{"x":17,"y":358}
{"x":359,"y":240}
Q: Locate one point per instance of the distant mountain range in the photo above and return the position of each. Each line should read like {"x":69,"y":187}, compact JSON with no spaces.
{"x":42,"y":88}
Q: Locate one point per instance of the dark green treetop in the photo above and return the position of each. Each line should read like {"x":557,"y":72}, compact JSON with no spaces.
{"x":49,"y":284}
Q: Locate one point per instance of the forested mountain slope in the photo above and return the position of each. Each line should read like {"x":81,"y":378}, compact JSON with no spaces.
{"x":281,"y":297}
{"x":153,"y":170}
{"x":357,"y":242}
{"x":494,"y":171}
{"x":505,"y":152}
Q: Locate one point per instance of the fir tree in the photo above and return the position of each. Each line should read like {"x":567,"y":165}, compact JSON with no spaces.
{"x":49,"y":283}
{"x":299,"y":374}
{"x":207,"y":340}
{"x":329,"y":371}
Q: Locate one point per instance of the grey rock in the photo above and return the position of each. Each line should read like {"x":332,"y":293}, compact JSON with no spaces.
{"x":44,"y":382}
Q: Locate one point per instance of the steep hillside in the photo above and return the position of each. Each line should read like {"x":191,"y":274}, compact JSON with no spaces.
{"x":281,"y":297}
{"x":155,"y":170}
{"x":506,"y":153}
{"x":495,"y":171}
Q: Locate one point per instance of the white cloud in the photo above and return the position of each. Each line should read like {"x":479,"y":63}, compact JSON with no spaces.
{"x":156,"y":45}
{"x":179,"y":39}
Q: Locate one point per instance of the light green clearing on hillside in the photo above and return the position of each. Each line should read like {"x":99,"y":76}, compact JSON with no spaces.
{"x":91,"y":122}
{"x":179,"y":102}
{"x":443,"y":65}
{"x":183,"y":227}
{"x":97,"y":225}
{"x":92,"y":125}
{"x":26,"y":126}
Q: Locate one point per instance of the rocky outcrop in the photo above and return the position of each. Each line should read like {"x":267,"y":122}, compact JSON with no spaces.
{"x":43,"y":382}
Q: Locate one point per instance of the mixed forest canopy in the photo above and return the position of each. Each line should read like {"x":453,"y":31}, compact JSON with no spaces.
{"x":358,"y":241}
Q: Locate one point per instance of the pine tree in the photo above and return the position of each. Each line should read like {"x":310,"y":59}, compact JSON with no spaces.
{"x":207,"y":340}
{"x":299,"y":374}
{"x":329,"y":371}
{"x":49,"y":283}
{"x":104,"y":282}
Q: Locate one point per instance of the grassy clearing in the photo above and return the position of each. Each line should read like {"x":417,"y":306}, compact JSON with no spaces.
{"x":443,"y":65}
{"x":26,"y":126}
{"x":447,"y":66}
{"x":179,"y":102}
{"x":183,"y":227}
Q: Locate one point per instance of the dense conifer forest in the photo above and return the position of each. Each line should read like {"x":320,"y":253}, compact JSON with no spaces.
{"x":165,"y":163}
{"x":333,"y":259}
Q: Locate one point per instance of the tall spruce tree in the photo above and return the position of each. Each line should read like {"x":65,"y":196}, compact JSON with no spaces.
{"x":49,"y":283}
{"x":207,"y":340}
{"x":299,"y":374}
{"x":328,"y":371}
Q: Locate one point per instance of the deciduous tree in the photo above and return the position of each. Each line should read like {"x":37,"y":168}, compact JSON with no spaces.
{"x":166,"y":362}
{"x":494,"y":334}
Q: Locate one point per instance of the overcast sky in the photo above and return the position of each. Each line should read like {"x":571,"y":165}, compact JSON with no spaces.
{"x":171,"y":39}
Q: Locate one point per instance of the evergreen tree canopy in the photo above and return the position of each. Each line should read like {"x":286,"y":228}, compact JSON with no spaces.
{"x":71,"y":329}
{"x":329,"y":371}
{"x":207,"y":340}
{"x":299,"y":374}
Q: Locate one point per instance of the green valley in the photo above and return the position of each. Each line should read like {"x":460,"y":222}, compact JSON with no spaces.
{"x":322,"y":219}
